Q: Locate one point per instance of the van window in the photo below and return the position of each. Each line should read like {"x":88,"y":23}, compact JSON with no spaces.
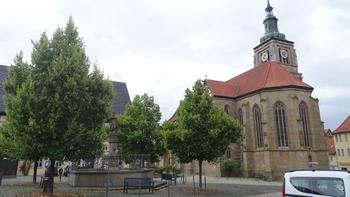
{"x":319,"y":185}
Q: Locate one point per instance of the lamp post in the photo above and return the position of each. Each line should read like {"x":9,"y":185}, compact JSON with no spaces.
{"x":309,"y":157}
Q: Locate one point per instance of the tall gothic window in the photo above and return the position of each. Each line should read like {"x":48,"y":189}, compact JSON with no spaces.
{"x":226,"y":108}
{"x":228,"y":153}
{"x":281,"y":125}
{"x":258,"y":126}
{"x":240,"y":116}
{"x":304,"y":119}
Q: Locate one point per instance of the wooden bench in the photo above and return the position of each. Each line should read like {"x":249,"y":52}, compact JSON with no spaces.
{"x":138,"y":182}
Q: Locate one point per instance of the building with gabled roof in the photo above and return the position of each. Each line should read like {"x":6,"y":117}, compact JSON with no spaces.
{"x":282,"y":127}
{"x":332,"y":153}
{"x":342,"y":144}
{"x":344,"y":127}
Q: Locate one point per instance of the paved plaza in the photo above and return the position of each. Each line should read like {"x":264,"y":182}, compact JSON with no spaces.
{"x":218,"y":187}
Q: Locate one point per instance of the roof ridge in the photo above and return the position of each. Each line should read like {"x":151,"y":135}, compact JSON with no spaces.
{"x":266,"y":75}
{"x":215,"y":80}
{"x":340,"y":129}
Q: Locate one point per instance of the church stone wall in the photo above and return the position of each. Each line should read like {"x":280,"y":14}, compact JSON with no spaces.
{"x":271,"y":161}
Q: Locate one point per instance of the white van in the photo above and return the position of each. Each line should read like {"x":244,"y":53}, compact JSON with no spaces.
{"x":317,"y":183}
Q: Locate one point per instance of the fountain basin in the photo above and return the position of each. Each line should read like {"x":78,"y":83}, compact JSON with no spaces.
{"x":98,"y":178}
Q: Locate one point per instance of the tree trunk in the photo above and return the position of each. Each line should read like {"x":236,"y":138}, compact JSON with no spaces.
{"x":200,"y":162}
{"x":51,"y":176}
{"x":35,"y":170}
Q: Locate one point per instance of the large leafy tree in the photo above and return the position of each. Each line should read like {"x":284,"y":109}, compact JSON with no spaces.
{"x":61,"y":106}
{"x":202,"y":129}
{"x":15,"y":141}
{"x":139,"y":130}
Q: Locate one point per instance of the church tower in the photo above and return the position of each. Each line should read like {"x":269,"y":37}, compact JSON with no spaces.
{"x":274,"y":46}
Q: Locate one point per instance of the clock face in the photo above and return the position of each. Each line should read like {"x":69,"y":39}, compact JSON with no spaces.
{"x":264,"y":57}
{"x":284,"y":53}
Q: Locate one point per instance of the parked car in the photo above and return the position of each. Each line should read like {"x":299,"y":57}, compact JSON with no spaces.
{"x":317,"y":183}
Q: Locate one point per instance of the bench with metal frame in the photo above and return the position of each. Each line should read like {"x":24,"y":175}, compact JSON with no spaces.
{"x":138,"y":183}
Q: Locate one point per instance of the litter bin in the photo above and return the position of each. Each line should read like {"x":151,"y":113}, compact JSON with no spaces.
{"x":1,"y":174}
{"x":45,"y":184}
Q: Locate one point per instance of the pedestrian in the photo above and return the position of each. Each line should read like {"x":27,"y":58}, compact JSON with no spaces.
{"x":60,"y":172}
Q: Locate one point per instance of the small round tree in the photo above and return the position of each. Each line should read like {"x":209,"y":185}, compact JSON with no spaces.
{"x":202,"y":129}
{"x":139,"y":130}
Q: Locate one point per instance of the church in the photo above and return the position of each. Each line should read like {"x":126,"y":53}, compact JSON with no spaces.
{"x":282,"y":128}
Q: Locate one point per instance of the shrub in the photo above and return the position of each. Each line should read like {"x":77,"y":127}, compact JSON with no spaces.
{"x":172,"y":169}
{"x":177,"y":170}
{"x":229,"y":165}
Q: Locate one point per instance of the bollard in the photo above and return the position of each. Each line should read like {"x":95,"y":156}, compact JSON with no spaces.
{"x":45,"y":184}
{"x":205,"y":182}
{"x":139,"y":188}
{"x":107,"y":186}
{"x":168,"y":190}
{"x":194,"y":187}
{"x":1,"y":174}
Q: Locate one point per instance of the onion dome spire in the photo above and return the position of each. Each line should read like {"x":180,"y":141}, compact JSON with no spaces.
{"x":269,"y":8}
{"x":271,"y":27}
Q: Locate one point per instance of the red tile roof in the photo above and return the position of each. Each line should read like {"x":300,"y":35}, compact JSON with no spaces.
{"x":173,"y":117}
{"x":327,"y":133}
{"x":264,"y":76}
{"x":344,"y":127}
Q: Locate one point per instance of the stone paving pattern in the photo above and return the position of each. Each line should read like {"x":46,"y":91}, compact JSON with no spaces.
{"x":218,"y":187}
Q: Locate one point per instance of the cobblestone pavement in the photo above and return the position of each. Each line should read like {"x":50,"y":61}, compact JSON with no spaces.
{"x":216,"y":186}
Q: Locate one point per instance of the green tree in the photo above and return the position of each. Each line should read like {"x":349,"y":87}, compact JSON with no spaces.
{"x":139,"y":129}
{"x":202,"y":129}
{"x":61,"y":107}
{"x":15,"y":140}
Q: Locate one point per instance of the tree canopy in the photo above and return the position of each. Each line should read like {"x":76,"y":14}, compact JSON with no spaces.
{"x":57,"y":106}
{"x":139,"y":130}
{"x":202,"y":129}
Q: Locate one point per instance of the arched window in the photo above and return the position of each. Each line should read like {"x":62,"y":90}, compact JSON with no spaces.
{"x":258,"y":126}
{"x":228,"y":153}
{"x":281,"y":125}
{"x":240,"y":116}
{"x":304,"y":119}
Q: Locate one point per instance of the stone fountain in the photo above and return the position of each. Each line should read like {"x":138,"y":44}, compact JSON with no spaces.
{"x":111,"y":169}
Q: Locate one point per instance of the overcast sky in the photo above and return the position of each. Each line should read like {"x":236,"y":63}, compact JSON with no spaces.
{"x":161,"y":47}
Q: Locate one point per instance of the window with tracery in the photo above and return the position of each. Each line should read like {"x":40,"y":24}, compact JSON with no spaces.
{"x":228,"y":154}
{"x":258,"y":126}
{"x":304,"y":120}
{"x":240,"y":116}
{"x":281,"y":125}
